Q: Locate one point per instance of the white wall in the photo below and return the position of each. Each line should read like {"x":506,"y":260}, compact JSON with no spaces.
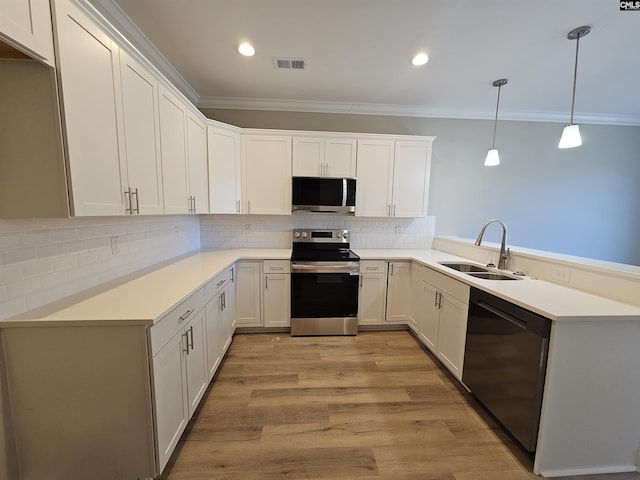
{"x":274,"y":231}
{"x":582,"y":201}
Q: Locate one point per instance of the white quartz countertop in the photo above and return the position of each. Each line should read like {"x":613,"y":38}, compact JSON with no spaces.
{"x":144,"y":297}
{"x":545,"y":298}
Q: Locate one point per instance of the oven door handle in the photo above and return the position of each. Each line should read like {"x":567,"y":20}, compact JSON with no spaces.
{"x":328,"y":268}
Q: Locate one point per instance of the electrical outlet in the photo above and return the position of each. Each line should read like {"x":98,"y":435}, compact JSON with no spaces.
{"x":561,"y":275}
{"x":115,"y":245}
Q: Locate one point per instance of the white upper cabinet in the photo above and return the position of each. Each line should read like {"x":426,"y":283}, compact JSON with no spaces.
{"x":266,"y":173}
{"x":375,"y":178}
{"x":393,"y":177}
{"x":26,"y":25}
{"x":197,"y":162}
{"x":142,"y":137}
{"x":324,"y":157}
{"x":89,"y":69}
{"x":224,"y":170}
{"x":411,"y":172}
{"x":173,"y":117}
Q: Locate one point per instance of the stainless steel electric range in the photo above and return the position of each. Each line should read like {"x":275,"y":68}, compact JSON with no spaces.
{"x":325,"y":277}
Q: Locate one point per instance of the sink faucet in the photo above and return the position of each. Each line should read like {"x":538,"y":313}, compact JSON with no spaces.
{"x":502,"y":263}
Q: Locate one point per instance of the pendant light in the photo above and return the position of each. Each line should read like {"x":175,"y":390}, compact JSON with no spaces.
{"x":571,"y":133}
{"x":493,"y":158}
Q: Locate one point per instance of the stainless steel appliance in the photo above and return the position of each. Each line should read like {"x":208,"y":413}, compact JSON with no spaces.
{"x":505,"y":361}
{"x":323,"y":195}
{"x":325,"y":277}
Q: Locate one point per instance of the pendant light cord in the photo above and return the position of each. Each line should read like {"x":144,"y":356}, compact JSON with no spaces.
{"x":575,"y":79}
{"x":495,"y":122}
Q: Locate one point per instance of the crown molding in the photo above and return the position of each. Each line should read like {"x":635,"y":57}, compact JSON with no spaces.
{"x":239,"y":103}
{"x":126,"y":30}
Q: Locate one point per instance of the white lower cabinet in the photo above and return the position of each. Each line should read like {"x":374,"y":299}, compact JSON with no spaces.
{"x":248,"y":291}
{"x":398,"y":292}
{"x":179,"y":371}
{"x":220,"y":311}
{"x":373,"y":292}
{"x":277,"y":293}
{"x":442,"y":308}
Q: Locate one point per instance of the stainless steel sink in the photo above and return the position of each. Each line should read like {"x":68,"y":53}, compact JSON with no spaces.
{"x":492,"y":276}
{"x":478,"y":271}
{"x":464,"y":267}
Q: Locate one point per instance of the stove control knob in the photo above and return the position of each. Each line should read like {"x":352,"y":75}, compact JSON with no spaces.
{"x":339,"y":234}
{"x":304,"y":234}
{"x":296,"y":234}
{"x":345,"y":235}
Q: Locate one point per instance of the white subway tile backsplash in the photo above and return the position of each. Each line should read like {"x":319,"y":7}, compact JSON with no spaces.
{"x":43,"y":260}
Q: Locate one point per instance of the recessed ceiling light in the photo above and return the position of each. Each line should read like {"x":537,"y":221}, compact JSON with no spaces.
{"x":246,"y":49}
{"x":420,"y":59}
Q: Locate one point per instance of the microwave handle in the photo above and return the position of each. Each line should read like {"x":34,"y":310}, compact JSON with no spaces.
{"x":344,"y":192}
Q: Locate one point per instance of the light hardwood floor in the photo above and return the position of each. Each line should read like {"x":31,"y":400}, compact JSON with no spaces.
{"x":373,"y":406}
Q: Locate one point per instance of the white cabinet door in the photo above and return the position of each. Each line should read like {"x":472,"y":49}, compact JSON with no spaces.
{"x":340,"y":157}
{"x":324,"y":157}
{"x":213,"y":315}
{"x":248,"y":299}
{"x":411,"y":171}
{"x":375,"y":178}
{"x":174,"y":152}
{"x":277,"y":303}
{"x":26,"y":24}
{"x":170,"y":396}
{"x":452,"y":333}
{"x":142,"y":136}
{"x":89,"y":70}
{"x":196,"y":360}
{"x":197,"y":162}
{"x":429,"y":316}
{"x":224,"y":170}
{"x":399,"y":292}
{"x":372,"y":299}
{"x":267,"y":174}
{"x":308,"y":157}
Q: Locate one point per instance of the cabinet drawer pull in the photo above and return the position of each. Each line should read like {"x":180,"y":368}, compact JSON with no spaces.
{"x":185,"y":349}
{"x":221,"y":282}
{"x":238,"y":206}
{"x":128,"y":209}
{"x":224,"y":300}
{"x":184,"y":316}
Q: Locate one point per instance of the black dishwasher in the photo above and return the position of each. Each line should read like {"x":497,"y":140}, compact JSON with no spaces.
{"x":505,"y":362}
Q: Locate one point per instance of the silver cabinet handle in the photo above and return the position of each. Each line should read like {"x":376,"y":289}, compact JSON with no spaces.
{"x":224,"y":300}
{"x":184,"y":316}
{"x":248,"y":206}
{"x":232,"y":279}
{"x":137,"y":209}
{"x":266,"y":283}
{"x":394,"y":209}
{"x":191,"y":335}
{"x":127,"y":193}
{"x":237,"y":206}
{"x":221,"y":282}
{"x":435,"y":301}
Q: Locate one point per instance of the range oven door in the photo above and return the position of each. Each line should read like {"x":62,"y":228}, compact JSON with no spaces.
{"x":324,"y":302}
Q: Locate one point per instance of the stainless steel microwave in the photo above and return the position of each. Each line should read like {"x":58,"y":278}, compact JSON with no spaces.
{"x":323,"y":195}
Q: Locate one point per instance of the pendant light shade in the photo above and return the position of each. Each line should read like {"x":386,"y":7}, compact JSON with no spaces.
{"x":493,"y":158}
{"x":571,"y":134}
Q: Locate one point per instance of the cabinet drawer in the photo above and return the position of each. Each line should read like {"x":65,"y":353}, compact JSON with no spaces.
{"x":219,"y":282}
{"x":277,"y":266}
{"x":172,"y":322}
{"x":373,"y":266}
{"x":448,"y":285}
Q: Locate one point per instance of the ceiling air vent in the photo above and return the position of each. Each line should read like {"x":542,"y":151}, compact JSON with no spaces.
{"x":290,"y":63}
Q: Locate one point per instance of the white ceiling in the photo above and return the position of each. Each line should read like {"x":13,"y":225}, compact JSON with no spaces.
{"x":358,"y":54}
